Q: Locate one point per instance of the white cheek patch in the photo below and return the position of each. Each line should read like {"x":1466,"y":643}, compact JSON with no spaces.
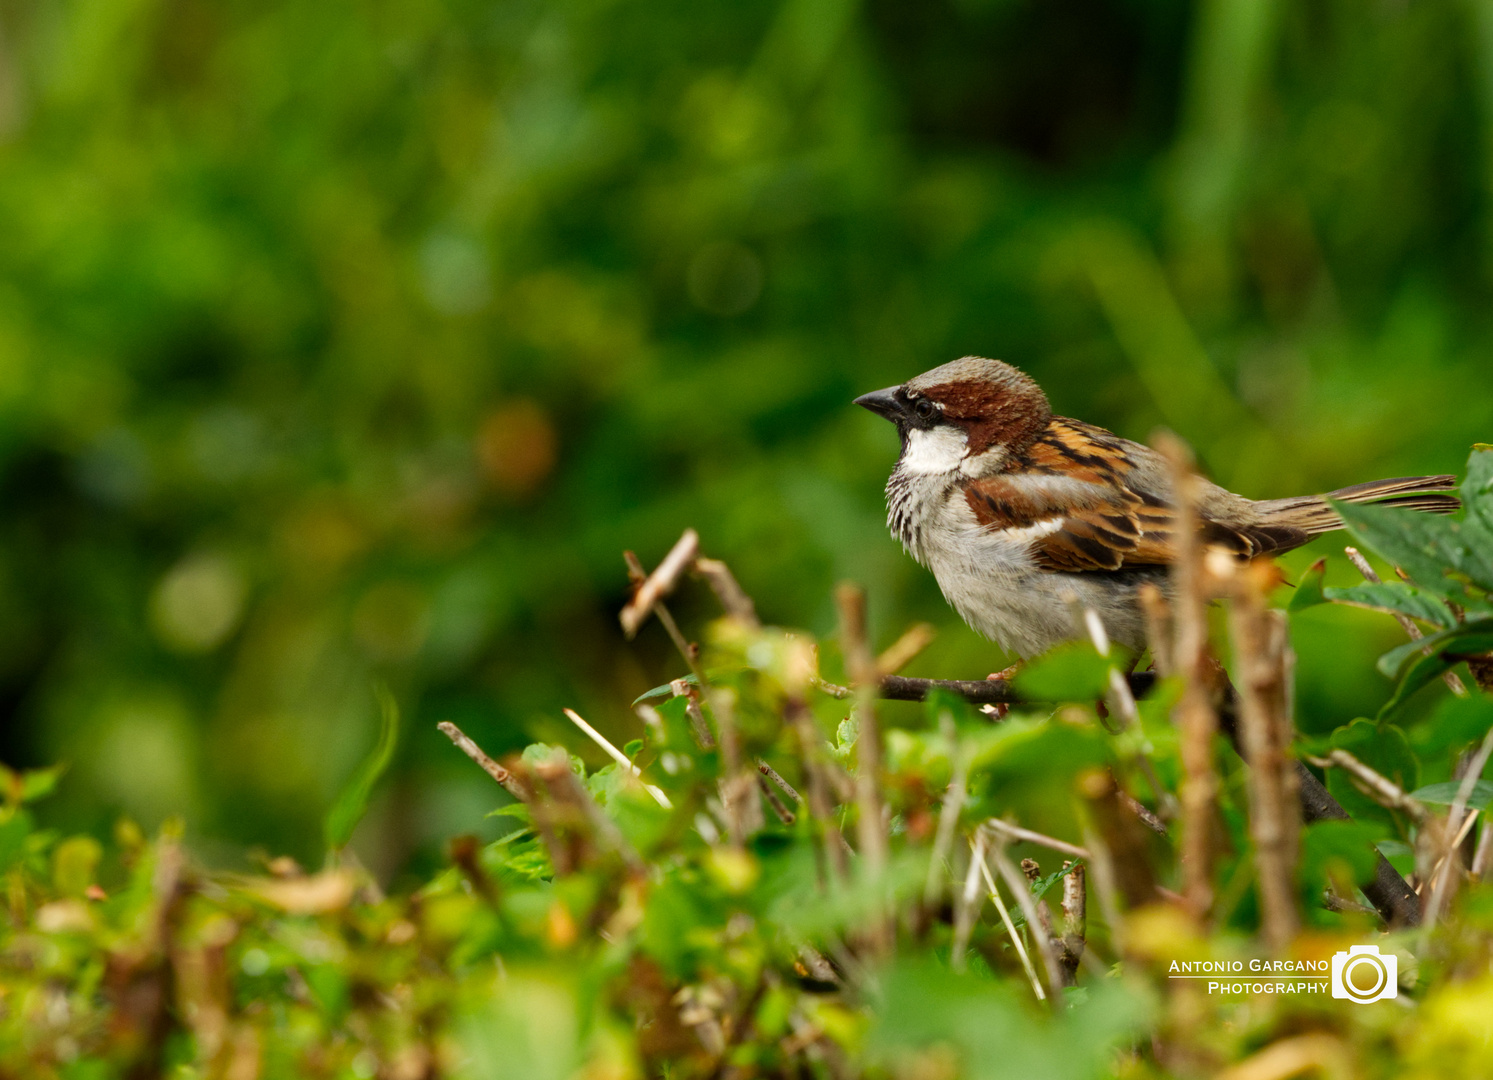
{"x":934,"y":451}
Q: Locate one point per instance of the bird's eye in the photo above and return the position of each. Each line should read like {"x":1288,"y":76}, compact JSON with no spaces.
{"x":925,"y":409}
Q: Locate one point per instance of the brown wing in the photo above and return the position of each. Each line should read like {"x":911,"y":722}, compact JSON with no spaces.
{"x":1079,"y":482}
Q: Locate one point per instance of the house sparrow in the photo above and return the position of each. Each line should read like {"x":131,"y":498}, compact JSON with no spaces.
{"x":1017,"y":511}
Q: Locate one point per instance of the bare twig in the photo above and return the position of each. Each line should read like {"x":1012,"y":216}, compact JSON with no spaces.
{"x":1016,"y":832}
{"x":512,"y":784}
{"x":661,"y":582}
{"x":687,"y":649}
{"x":703,"y":735}
{"x":1375,"y":785}
{"x":948,"y":817}
{"x":743,"y":812}
{"x":1453,"y":682}
{"x":772,"y":774}
{"x":821,"y":807}
{"x":1194,"y":713}
{"x":1260,"y":646}
{"x":901,"y":652}
{"x":1457,"y":828}
{"x":1075,"y":919}
{"x":865,"y":678}
{"x":737,"y":603}
{"x":786,"y":816}
{"x":1018,"y":886}
{"x":977,"y":861}
{"x":1483,"y":857}
{"x":1158,"y":627}
{"x":966,"y":910}
{"x":618,"y":756}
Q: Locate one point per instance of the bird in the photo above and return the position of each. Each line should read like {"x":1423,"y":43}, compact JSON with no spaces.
{"x":1026,"y":518}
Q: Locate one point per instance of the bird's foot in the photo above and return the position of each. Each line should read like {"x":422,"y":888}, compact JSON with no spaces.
{"x":999,"y":710}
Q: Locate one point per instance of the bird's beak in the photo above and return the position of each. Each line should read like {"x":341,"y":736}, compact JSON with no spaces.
{"x":882,"y":402}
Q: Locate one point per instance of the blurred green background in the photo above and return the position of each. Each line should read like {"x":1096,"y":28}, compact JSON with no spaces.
{"x":349,"y":341}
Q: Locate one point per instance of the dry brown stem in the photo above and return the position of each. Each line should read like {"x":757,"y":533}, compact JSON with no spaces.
{"x":1011,"y":832}
{"x":511,"y":783}
{"x":819,"y":801}
{"x":661,"y":582}
{"x":1075,"y":919}
{"x":1265,"y":735}
{"x":1375,"y":785}
{"x":865,"y":679}
{"x":737,"y":603}
{"x":1194,"y":714}
{"x":1040,"y":935}
{"x":901,"y":652}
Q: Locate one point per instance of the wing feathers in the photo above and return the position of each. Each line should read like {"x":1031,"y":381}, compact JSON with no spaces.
{"x":1080,"y":496}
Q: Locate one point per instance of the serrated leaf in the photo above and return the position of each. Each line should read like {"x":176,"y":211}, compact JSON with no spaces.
{"x":352,"y":801}
{"x":1395,"y":597}
{"x":1309,"y":592}
{"x":1477,"y":485}
{"x":1445,"y":793}
{"x":1426,"y":546}
{"x":1473,"y":636}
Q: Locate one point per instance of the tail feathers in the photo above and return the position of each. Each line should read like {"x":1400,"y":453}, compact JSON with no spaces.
{"x":1312,"y":514}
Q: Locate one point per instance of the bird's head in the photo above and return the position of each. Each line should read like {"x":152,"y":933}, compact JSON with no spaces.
{"x":962,"y":410}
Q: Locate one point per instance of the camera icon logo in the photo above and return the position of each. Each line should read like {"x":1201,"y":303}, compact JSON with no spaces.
{"x":1363,"y":974}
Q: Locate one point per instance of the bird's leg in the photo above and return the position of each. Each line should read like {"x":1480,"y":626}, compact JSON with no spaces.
{"x":999,"y":711}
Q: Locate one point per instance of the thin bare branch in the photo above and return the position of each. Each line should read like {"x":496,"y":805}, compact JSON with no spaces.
{"x":948,"y":815}
{"x":966,"y":910}
{"x":865,"y":678}
{"x":512,"y":784}
{"x":1010,"y":925}
{"x":902,"y":651}
{"x":786,"y":816}
{"x":1194,"y":713}
{"x":1075,"y":922}
{"x":737,"y":603}
{"x":687,"y":649}
{"x":703,"y":735}
{"x":1265,"y":735}
{"x":1375,"y":785}
{"x":618,"y":756}
{"x":1457,"y":826}
{"x":1018,"y":886}
{"x":661,"y":582}
{"x":1452,"y":680}
{"x":772,"y":774}
{"x":1017,"y":833}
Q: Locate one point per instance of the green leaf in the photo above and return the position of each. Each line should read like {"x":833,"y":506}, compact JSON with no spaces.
{"x":1309,"y":592}
{"x":1397,"y":598}
{"x":1469,"y":637}
{"x":1383,"y":748}
{"x":1456,"y":722}
{"x":14,"y":829}
{"x":1073,"y":671}
{"x":1445,"y":793}
{"x":1477,"y":485}
{"x":1425,"y":546}
{"x":1421,"y":673}
{"x":662,"y":693}
{"x":352,"y":800}
{"x":1348,"y":844}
